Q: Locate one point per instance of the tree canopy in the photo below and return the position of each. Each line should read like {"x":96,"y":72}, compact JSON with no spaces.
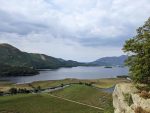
{"x":138,"y":49}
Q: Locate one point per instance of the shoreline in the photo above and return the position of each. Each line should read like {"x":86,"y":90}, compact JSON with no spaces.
{"x":97,"y":83}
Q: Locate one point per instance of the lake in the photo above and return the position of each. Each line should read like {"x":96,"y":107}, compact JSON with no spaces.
{"x":80,"y":72}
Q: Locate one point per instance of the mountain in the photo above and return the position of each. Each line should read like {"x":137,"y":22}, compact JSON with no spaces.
{"x":13,"y":58}
{"x":110,"y":61}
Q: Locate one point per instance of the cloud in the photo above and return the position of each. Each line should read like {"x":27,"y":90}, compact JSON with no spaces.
{"x":63,"y":48}
{"x":76,"y":28}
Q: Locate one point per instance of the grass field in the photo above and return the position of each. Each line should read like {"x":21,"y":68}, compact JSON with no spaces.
{"x":41,"y":103}
{"x":45,"y":103}
{"x":87,"y":95}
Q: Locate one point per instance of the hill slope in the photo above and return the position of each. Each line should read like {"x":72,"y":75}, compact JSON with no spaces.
{"x":111,"y":61}
{"x":13,"y":58}
{"x":10,"y":55}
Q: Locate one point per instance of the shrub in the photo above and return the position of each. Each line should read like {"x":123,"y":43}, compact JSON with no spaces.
{"x":1,"y":93}
{"x":13,"y":90}
{"x":144,"y":87}
{"x":80,"y":83}
{"x":37,"y":89}
{"x":88,"y":84}
{"x":23,"y":90}
{"x":145,"y":94}
{"x":139,"y":110}
{"x":128,"y":99}
{"x":62,"y":85}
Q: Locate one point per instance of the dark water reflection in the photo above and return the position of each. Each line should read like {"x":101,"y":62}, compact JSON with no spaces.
{"x":75,"y":72}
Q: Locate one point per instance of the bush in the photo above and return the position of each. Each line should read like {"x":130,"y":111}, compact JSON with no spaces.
{"x":128,"y":99}
{"x":62,"y":85}
{"x":139,"y":110}
{"x":1,"y":93}
{"x":80,"y":83}
{"x":23,"y":90}
{"x":37,"y":89}
{"x":88,"y":84}
{"x":13,"y":91}
{"x":145,"y":95}
{"x":143,"y":88}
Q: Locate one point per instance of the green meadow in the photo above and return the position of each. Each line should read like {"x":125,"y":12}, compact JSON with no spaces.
{"x":45,"y":103}
{"x":88,"y":95}
{"x":41,"y":103}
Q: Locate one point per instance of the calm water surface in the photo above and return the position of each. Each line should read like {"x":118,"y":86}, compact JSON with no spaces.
{"x":74,"y":72}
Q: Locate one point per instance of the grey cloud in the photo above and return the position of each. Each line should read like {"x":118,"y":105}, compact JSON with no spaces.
{"x":98,"y":19}
{"x":17,"y":24}
{"x":96,"y":42}
{"x":79,"y":25}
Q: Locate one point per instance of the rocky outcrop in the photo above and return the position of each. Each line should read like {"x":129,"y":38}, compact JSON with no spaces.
{"x":127,"y":100}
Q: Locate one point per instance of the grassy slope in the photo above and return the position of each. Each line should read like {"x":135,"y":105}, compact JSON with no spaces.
{"x":34,"y":103}
{"x":88,"y":95}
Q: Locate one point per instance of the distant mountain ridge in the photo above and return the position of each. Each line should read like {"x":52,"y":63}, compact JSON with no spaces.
{"x":111,"y":61}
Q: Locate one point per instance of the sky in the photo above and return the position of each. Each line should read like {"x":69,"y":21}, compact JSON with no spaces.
{"x":81,"y":30}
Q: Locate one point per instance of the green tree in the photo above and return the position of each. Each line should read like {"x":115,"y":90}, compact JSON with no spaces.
{"x":39,"y":88}
{"x":138,"y":49}
{"x":13,"y":91}
{"x":62,"y":85}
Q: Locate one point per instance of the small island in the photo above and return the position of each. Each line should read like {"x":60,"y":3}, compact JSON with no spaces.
{"x":108,"y":67}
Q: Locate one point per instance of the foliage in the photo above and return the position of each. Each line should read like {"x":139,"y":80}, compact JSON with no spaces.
{"x":139,"y":110}
{"x":143,"y":87}
{"x":62,"y":85}
{"x":145,"y":94}
{"x":7,"y":70}
{"x":37,"y":89}
{"x":128,"y":99}
{"x":13,"y":91}
{"x":138,"y":49}
{"x":16,"y":91}
{"x":24,"y":90}
{"x":1,"y":93}
{"x":88,"y":84}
